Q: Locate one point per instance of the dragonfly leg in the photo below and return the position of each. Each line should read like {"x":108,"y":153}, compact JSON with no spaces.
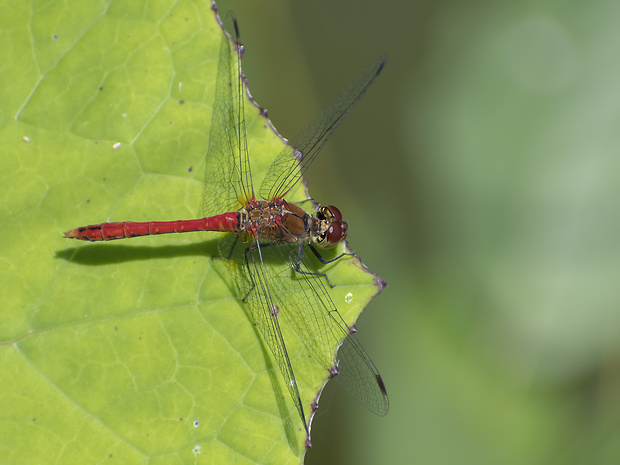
{"x":300,"y":254}
{"x":320,"y":257}
{"x":247,"y":265}
{"x":246,"y":262}
{"x":232,"y":248}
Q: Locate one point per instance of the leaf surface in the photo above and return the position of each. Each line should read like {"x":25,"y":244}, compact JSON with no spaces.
{"x":136,"y":351}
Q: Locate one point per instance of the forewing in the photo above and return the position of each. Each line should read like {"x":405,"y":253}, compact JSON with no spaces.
{"x":227,"y":182}
{"x":290,"y":164}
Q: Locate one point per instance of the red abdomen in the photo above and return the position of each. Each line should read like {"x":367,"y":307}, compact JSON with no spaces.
{"x":227,"y":222}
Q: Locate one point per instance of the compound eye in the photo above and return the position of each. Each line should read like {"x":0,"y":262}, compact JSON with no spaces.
{"x":336,"y":233}
{"x":334,"y":212}
{"x":336,"y":230}
{"x":329,"y":213}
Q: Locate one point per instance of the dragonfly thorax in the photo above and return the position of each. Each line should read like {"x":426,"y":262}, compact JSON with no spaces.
{"x":275,"y":220}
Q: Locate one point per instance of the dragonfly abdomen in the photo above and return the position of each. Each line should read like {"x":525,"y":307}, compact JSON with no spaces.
{"x":227,"y":222}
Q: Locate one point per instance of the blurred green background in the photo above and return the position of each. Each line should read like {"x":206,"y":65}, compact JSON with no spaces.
{"x":480,"y":179}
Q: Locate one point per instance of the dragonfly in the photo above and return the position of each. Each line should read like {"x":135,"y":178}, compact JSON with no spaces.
{"x":269,"y":239}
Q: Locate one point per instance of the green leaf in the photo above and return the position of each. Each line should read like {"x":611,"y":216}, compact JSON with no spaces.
{"x":134,"y":351}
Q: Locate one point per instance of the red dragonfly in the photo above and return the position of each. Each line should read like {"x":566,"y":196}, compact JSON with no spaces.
{"x":271,"y":236}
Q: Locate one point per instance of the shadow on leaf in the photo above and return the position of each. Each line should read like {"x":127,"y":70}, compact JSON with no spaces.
{"x":106,"y":254}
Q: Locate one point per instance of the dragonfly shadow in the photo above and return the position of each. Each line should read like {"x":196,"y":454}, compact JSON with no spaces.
{"x":108,"y":254}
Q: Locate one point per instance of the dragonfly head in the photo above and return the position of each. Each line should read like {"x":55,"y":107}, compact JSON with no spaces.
{"x":330,"y":229}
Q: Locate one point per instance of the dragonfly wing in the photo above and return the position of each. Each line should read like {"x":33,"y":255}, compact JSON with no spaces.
{"x":320,"y":326}
{"x":307,"y":307}
{"x":254,"y":284}
{"x":288,"y":168}
{"x":227,"y":172}
{"x":359,"y":376}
